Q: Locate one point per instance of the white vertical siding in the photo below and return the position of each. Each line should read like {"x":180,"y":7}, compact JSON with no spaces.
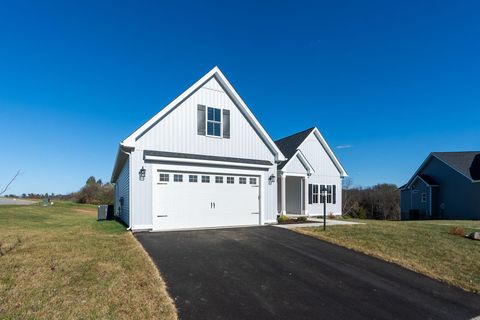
{"x":270,"y":196}
{"x":141,"y":192}
{"x":122,"y":187}
{"x":177,"y":132}
{"x":325,"y":173}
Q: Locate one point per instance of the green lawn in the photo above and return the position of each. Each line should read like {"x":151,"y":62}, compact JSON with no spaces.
{"x":58,"y":262}
{"x":422,"y":246}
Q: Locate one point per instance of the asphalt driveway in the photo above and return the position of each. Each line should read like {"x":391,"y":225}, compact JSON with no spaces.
{"x":272,"y":273}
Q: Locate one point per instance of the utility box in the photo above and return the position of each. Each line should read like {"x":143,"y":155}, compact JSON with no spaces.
{"x":102,"y":212}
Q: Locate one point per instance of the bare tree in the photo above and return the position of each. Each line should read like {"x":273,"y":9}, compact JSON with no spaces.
{"x":8,"y":184}
{"x":347,"y":184}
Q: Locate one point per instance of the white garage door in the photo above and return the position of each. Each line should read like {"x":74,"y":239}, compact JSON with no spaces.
{"x":201,"y":200}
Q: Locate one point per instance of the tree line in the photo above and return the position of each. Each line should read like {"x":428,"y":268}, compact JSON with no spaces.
{"x":381,"y":201}
{"x":93,"y":192}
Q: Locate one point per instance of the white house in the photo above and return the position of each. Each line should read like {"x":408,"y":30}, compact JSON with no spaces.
{"x":205,"y":161}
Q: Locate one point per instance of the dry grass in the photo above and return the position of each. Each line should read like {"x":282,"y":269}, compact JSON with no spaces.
{"x":422,"y":246}
{"x":60,"y":263}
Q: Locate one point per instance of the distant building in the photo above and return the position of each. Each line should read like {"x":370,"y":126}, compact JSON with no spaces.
{"x":446,"y":186}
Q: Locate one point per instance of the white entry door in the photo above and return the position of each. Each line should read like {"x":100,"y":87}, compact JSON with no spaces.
{"x":201,"y":200}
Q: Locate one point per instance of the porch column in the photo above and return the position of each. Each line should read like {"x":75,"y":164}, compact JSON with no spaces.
{"x":305,"y":196}
{"x":283,"y":194}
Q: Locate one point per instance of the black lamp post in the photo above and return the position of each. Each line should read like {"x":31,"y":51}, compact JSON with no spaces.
{"x":324,"y":193}
{"x":141,"y":174}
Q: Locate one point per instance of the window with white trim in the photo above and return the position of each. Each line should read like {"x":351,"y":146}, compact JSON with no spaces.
{"x":178,"y":177}
{"x":218,"y":179}
{"x":230,"y":180}
{"x":214,"y":122}
{"x":424,"y":197}
{"x":164,"y":177}
{"x":192,"y":178}
{"x":242,"y":180}
{"x":205,"y":179}
{"x":253,"y":180}
{"x":315,"y":193}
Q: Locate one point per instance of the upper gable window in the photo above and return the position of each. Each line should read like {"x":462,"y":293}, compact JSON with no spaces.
{"x":214,"y":122}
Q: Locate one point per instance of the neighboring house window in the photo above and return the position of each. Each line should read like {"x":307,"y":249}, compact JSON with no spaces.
{"x":205,"y":179}
{"x":218,"y":179}
{"x":329,"y":194}
{"x":230,"y":180}
{"x":214,"y":122}
{"x":253,"y":180}
{"x":242,"y":180}
{"x":424,"y":197}
{"x":178,"y":178}
{"x":315,"y":193}
{"x":164,"y":177}
{"x":192,"y":178}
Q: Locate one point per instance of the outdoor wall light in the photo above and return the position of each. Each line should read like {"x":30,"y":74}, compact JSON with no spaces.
{"x":141,"y":173}
{"x":271,"y":179}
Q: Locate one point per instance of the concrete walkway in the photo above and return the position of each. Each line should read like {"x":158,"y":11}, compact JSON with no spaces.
{"x":318,"y":223}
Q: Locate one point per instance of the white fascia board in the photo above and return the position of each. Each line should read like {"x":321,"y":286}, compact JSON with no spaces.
{"x":329,"y":151}
{"x":209,"y":162}
{"x":232,"y":92}
{"x":303,"y":160}
{"x":215,"y":72}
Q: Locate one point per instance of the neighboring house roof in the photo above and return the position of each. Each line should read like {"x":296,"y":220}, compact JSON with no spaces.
{"x":428,"y":180}
{"x":129,"y":142}
{"x":467,"y":163}
{"x":289,"y":146}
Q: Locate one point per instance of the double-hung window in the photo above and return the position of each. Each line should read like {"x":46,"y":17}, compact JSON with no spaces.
{"x":424,"y":197}
{"x":315,"y":193}
{"x":214,"y":122}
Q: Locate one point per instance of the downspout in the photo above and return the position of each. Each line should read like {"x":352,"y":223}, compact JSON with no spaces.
{"x":129,"y":190}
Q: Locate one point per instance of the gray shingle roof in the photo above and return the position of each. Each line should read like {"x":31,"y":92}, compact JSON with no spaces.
{"x":467,"y":162}
{"x":290,"y":144}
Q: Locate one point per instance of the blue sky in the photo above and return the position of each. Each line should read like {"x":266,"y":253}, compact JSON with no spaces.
{"x":388,"y":80}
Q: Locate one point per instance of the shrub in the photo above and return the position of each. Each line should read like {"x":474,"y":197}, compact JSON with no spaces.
{"x":302,"y":219}
{"x":331,"y":216}
{"x":457,"y":231}
{"x":282,"y":218}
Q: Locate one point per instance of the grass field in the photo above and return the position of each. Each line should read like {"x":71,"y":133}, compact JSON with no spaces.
{"x":421,"y":246}
{"x":58,"y":262}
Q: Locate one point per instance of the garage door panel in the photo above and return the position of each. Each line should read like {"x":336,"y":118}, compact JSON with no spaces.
{"x":200,"y":205}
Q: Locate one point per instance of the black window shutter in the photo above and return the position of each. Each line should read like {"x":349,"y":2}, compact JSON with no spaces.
{"x":310,"y":194}
{"x":201,"y":120}
{"x":334,"y":194}
{"x":226,"y":124}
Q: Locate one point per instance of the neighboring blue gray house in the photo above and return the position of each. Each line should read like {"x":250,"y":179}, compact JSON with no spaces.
{"x":446,"y":186}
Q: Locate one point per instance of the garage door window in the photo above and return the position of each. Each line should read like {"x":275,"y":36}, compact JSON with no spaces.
{"x":242,"y":180}
{"x":192,"y":178}
{"x":218,"y":179}
{"x":230,"y":180}
{"x":164,"y":177}
{"x":205,"y":179}
{"x":178,"y":178}
{"x":253,"y":180}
